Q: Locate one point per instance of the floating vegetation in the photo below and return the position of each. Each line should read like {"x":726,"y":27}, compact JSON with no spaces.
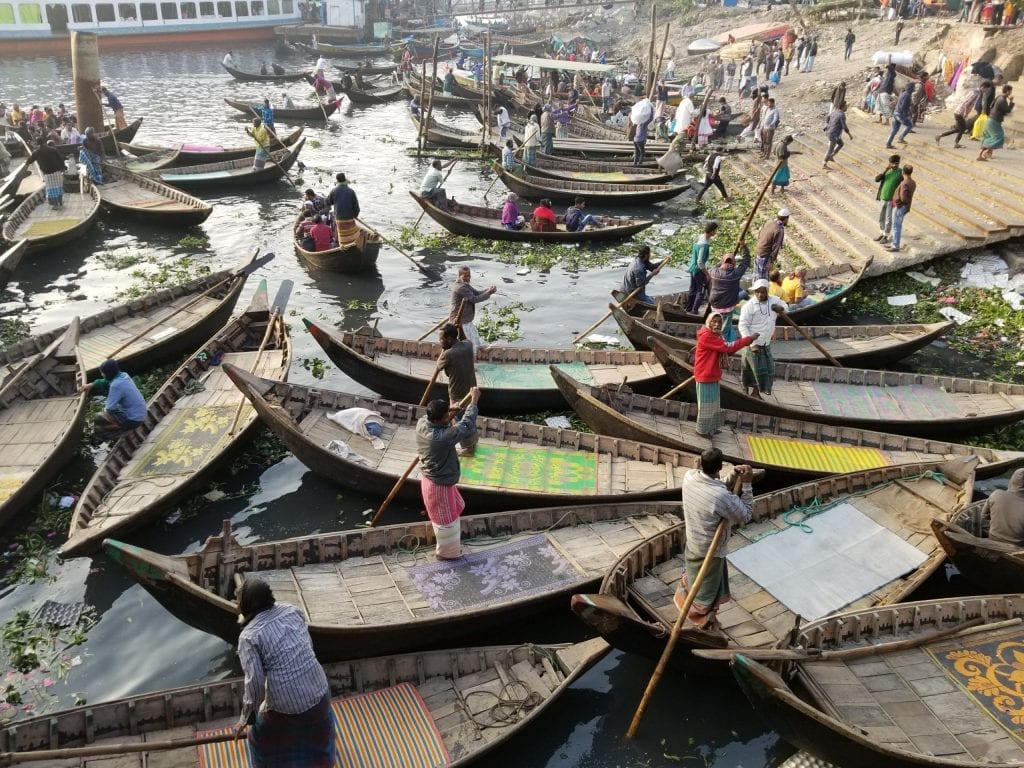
{"x":119,"y":259}
{"x":316,"y":366}
{"x":13,"y":330}
{"x":191,"y":241}
{"x":501,"y":324}
{"x":29,"y":557}
{"x":179,"y":271}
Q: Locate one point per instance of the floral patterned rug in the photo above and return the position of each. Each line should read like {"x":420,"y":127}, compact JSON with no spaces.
{"x":192,"y":438}
{"x":517,"y":569}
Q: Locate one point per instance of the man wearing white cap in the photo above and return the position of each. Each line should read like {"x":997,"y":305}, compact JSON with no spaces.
{"x":758,"y":316}
{"x":769,"y":244}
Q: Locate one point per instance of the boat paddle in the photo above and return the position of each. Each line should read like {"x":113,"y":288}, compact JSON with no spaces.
{"x":75,"y":753}
{"x":270,"y":157}
{"x":412,"y":465}
{"x":814,"y":343}
{"x":427,"y":271}
{"x":277,"y":308}
{"x":423,"y":213}
{"x":444,"y":320}
{"x":678,"y":388}
{"x":248,"y":269}
{"x":622,"y":303}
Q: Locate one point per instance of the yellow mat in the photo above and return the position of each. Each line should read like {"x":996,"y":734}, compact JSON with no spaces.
{"x":820,"y":457}
{"x":49,"y":227}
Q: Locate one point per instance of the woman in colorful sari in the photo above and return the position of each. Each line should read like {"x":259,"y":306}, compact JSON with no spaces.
{"x":707,"y":371}
{"x":91,"y":155}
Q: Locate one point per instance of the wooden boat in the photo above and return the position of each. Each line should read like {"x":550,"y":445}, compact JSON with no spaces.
{"x":123,"y":135}
{"x":9,"y":261}
{"x":199,"y":587}
{"x":767,"y":30}
{"x":256,"y":77}
{"x":516,"y":464}
{"x":479,"y":221}
{"x":606,"y":173}
{"x":45,"y":227}
{"x":412,"y":699}
{"x":146,"y":199}
{"x":952,"y":664}
{"x":987,"y":563}
{"x":300,"y":114}
{"x":858,"y":345}
{"x":230,"y":173}
{"x":890,"y":508}
{"x":908,"y":403}
{"x":827,"y":285}
{"x":198,"y":154}
{"x":367,"y":69}
{"x":42,"y":412}
{"x":189,"y":430}
{"x":650,"y":164}
{"x":355,"y":49}
{"x":150,"y":329}
{"x":511,"y":379}
{"x":789,"y":447}
{"x":536,"y":187}
{"x":442,"y":135}
{"x":441,"y":99}
{"x":375,"y":95}
{"x":359,"y":256}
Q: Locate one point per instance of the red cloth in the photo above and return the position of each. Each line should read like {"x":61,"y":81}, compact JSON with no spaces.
{"x":444,"y":503}
{"x":707,"y":368}
{"x":545,"y":213}
{"x":321,"y":234}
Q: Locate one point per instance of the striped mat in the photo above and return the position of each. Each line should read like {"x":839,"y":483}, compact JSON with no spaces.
{"x":821,"y":457}
{"x":390,"y":728}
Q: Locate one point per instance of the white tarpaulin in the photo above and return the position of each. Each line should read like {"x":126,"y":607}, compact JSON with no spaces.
{"x":846,"y":556}
{"x":568,"y":66}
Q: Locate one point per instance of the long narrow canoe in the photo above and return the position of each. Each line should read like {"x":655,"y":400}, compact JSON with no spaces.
{"x":286,"y":115}
{"x":153,"y":328}
{"x":439,"y":98}
{"x":354,"y":49}
{"x":230,"y":173}
{"x":479,"y":221}
{"x":908,"y":403}
{"x":512,"y":379}
{"x":952,"y":664}
{"x":791,"y":447}
{"x":989,"y":564}
{"x":375,"y":95}
{"x":443,"y":135}
{"x":199,"y":154}
{"x":608,"y":173}
{"x":123,"y":135}
{"x":827,"y":285}
{"x":858,"y":540}
{"x":45,"y":227}
{"x":516,"y":464}
{"x":859,"y":345}
{"x":10,"y":259}
{"x":346,"y":621}
{"x":367,"y":69}
{"x":536,"y":187}
{"x":194,"y":422}
{"x":351,"y":258}
{"x":140,"y":197}
{"x":256,"y":77}
{"x":412,"y":700}
{"x":42,"y":412}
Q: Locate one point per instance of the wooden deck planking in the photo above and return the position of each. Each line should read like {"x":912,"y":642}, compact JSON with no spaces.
{"x":77,"y":206}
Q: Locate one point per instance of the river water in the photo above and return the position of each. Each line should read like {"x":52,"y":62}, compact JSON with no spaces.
{"x":136,"y":646}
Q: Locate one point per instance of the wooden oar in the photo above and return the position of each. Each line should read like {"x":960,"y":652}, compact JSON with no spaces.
{"x":408,"y":470}
{"x":248,"y":269}
{"x":73,"y":753}
{"x":498,"y":175}
{"x":458,"y":317}
{"x":691,"y":594}
{"x":757,"y":204}
{"x":846,"y":654}
{"x":316,"y":93}
{"x":280,"y":302}
{"x":430,"y":273}
{"x":678,"y":388}
{"x":808,"y":336}
{"x":270,"y":153}
{"x":423,"y":213}
{"x":622,"y":303}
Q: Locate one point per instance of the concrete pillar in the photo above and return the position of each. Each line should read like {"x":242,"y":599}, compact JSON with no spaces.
{"x":85,"y":67}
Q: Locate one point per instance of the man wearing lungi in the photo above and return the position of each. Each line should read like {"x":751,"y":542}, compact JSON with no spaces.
{"x":758,"y":316}
{"x":51,"y":165}
{"x":346,"y":209}
{"x":464,"y":298}
{"x":436,"y":438}
{"x":769,"y":244}
{"x":706,"y":502}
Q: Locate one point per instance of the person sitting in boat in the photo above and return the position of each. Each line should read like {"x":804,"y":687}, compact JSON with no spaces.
{"x":576,"y":220}
{"x":313,"y":202}
{"x":36,"y":115}
{"x":414,"y":106}
{"x":287,"y":100}
{"x":277,"y":68}
{"x":302,"y":231}
{"x":263,"y":68}
{"x":460,"y":63}
{"x":91,"y":155}
{"x":431,"y":188}
{"x":229,"y":60}
{"x":125,"y":408}
{"x":321,"y":234}
{"x":544,"y":219}
{"x":448,"y":86}
{"x":346,"y":82}
{"x":15,"y":115}
{"x":266,"y":113}
{"x":636,"y":277}
{"x":1006,"y":512}
{"x":69,"y":133}
{"x":510,"y":216}
{"x":261,"y":136}
{"x":794,"y":289}
{"x":406,"y":60}
{"x":358,"y":77}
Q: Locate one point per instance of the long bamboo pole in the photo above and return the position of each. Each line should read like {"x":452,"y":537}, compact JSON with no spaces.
{"x":814,"y":342}
{"x":421,"y":129}
{"x":72,"y":753}
{"x":428,"y":110}
{"x":625,"y":301}
{"x":649,"y":80}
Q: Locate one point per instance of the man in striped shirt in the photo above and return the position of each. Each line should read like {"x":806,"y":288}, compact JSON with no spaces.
{"x":707,"y":501}
{"x":436,"y":440}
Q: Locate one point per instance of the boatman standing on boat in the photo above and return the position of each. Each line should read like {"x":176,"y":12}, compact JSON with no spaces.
{"x":51,"y":165}
{"x":261,"y":136}
{"x":125,"y":408}
{"x":286,"y":704}
{"x":769,"y":244}
{"x":266,"y":113}
{"x":229,"y":60}
{"x":706,"y":502}
{"x":457,"y":363}
{"x":116,"y":107}
{"x":437,"y":434}
{"x":431,"y":187}
{"x":346,"y":210}
{"x":463,"y":305}
{"x":758,"y":317}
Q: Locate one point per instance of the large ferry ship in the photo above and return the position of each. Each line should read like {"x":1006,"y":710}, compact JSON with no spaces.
{"x":34,"y":26}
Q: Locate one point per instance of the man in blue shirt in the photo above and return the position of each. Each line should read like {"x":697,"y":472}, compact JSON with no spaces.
{"x":346,"y":209}
{"x":116,"y":107}
{"x":636,"y":276}
{"x":125,"y":408}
